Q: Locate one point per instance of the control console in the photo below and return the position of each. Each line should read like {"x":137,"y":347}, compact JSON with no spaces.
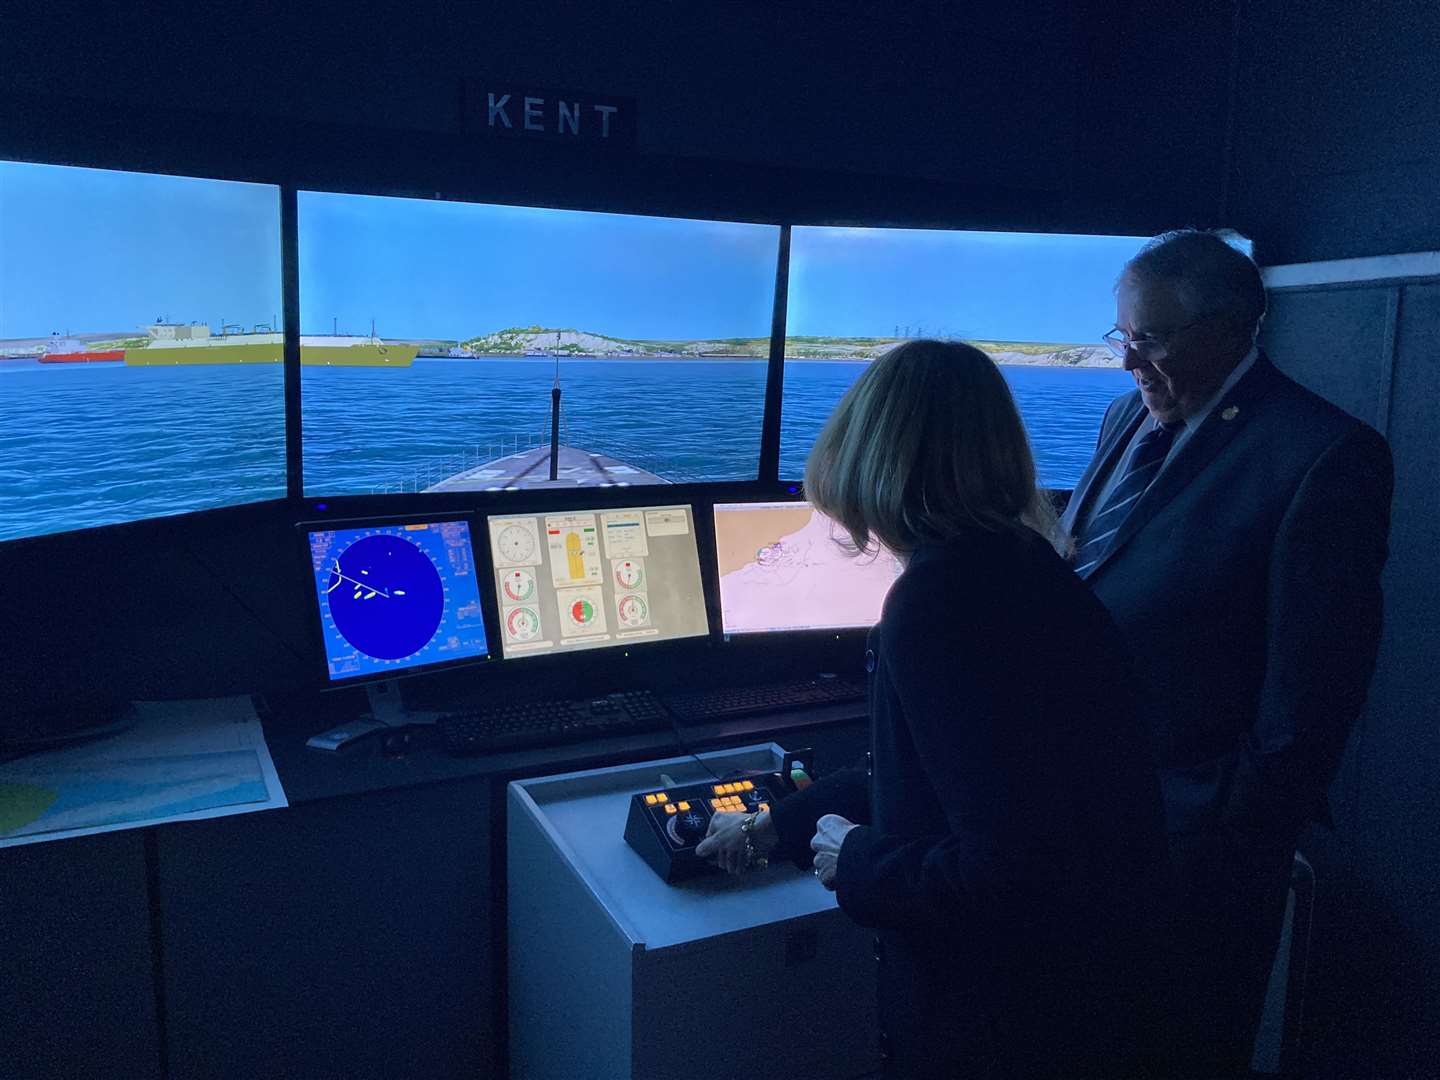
{"x":666,"y":824}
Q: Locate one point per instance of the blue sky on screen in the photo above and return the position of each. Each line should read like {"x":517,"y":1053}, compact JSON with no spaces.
{"x":88,"y":250}
{"x":458,"y":270}
{"x":981,"y":285}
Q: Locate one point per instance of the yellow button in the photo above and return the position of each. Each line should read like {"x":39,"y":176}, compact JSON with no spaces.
{"x":669,"y":808}
{"x":719,"y":789}
{"x":715,"y":803}
{"x":684,"y":806}
{"x":748,"y":785}
{"x":662,"y":797}
{"x":650,"y":800}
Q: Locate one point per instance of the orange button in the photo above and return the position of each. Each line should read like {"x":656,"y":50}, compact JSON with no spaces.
{"x":650,"y":800}
{"x":719,"y":789}
{"x":748,"y":785}
{"x":669,"y":808}
{"x":684,"y":806}
{"x":715,"y":803}
{"x":765,"y":806}
{"x":662,"y":797}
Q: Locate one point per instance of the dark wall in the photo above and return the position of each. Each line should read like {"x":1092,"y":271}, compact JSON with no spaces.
{"x":1030,"y":104}
{"x":1376,"y":950}
{"x":1337,"y":134}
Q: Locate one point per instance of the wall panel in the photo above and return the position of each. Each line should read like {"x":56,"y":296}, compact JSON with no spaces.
{"x":1372,"y":348}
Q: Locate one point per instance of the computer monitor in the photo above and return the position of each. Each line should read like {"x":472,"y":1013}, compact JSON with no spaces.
{"x":786,"y":566}
{"x":591,"y":578}
{"x":396,"y":596}
{"x":131,"y":305}
{"x":477,"y":301}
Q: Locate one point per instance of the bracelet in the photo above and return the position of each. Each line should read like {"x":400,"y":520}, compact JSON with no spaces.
{"x":759,"y":862}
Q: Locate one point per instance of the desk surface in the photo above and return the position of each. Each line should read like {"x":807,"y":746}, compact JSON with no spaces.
{"x":585,"y":813}
{"x":309,"y":774}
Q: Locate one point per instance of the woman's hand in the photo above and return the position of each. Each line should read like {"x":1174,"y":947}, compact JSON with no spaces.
{"x":724,"y":842}
{"x":830,"y":833}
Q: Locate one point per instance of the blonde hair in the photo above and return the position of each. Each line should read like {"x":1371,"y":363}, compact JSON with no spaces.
{"x":928,"y":442}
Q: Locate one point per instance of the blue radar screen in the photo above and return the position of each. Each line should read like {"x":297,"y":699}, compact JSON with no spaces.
{"x":397,"y":596}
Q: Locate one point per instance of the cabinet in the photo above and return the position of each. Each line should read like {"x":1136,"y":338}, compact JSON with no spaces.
{"x":78,"y":995}
{"x":614,"y":973}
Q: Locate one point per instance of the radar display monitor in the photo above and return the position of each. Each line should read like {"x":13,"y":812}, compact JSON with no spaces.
{"x":786,"y":566}
{"x":586,"y":579}
{"x":397,"y":596}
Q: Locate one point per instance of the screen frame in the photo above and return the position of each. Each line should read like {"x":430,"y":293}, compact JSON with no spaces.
{"x":568,"y":505}
{"x":326,"y":680}
{"x":838,"y":631}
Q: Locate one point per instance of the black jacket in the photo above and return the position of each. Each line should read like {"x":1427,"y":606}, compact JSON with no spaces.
{"x":1246,"y":582}
{"x":1012,"y":859}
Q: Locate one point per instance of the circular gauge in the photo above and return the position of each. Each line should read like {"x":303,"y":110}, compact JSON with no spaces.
{"x":629,"y":574}
{"x":633,"y":611}
{"x":522,"y":623}
{"x":515,"y":543}
{"x":518,"y":585}
{"x":581,"y":612}
{"x":385,"y":596}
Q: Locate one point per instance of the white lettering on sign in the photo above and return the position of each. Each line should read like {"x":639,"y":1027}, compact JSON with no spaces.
{"x":554,"y":114}
{"x":604,"y":111}
{"x":497,"y":108}
{"x":569,"y":116}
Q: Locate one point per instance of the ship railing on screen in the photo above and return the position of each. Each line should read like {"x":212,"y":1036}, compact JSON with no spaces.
{"x":425,"y":475}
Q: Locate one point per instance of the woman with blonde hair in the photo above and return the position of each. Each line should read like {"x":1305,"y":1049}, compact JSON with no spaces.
{"x":1005,"y":840}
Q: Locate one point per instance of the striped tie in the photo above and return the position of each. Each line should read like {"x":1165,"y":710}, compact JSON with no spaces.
{"x":1144,"y":464}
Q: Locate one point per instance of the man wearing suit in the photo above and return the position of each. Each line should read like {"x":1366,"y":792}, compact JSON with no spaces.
{"x":1235,"y":526}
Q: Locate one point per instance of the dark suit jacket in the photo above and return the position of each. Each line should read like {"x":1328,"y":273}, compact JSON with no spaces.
{"x":1246,"y":582}
{"x":1013,"y":846}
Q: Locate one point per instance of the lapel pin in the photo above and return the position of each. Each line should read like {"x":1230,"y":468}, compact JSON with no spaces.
{"x":1230,"y":413}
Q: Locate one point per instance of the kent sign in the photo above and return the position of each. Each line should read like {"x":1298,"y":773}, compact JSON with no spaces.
{"x":552,"y":115}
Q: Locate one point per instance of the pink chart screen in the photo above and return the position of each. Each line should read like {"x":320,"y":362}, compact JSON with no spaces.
{"x":786,"y":566}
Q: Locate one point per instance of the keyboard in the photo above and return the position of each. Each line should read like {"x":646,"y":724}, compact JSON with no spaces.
{"x":773,"y":697}
{"x":518,"y":725}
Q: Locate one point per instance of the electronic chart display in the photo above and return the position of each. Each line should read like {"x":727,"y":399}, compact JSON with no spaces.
{"x":397,"y":596}
{"x":786,"y":566}
{"x":587,"y":579}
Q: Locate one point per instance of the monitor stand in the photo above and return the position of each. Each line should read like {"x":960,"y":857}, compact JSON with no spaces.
{"x":385,"y":703}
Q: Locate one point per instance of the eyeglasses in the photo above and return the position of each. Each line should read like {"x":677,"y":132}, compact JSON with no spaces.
{"x":1146,"y":346}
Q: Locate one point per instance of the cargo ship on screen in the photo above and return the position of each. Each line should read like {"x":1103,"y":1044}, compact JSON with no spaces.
{"x":180,"y":343}
{"x":73,"y":351}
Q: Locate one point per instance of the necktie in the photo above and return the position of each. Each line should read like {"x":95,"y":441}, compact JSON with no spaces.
{"x":1140,"y":470}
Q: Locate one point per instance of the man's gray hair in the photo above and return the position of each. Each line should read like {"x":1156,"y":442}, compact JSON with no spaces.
{"x":1209,"y":270}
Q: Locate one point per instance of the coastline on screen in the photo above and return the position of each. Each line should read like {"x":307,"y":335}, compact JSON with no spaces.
{"x":588,"y":579}
{"x":396,"y":596}
{"x":786,"y":566}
